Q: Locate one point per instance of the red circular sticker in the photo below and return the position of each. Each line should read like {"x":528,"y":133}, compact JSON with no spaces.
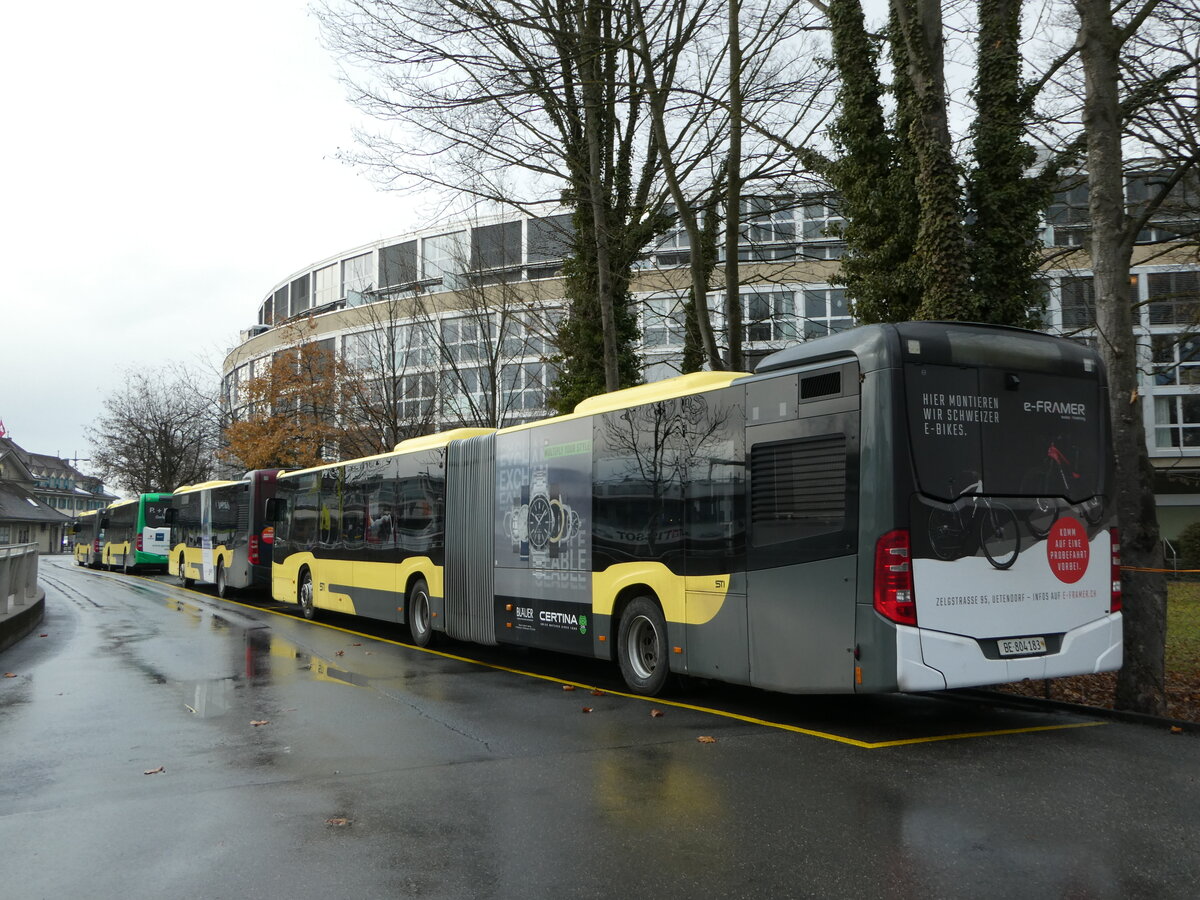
{"x":1068,"y":550}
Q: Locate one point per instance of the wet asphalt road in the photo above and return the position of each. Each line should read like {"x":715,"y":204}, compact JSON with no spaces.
{"x":462,"y":780}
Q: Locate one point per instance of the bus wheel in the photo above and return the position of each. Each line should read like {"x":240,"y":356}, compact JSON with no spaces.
{"x":642,"y":647}
{"x":305,"y":596}
{"x":183,"y":579}
{"x":222,"y":587}
{"x":420,"y":622}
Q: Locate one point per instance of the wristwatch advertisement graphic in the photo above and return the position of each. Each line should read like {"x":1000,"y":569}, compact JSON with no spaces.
{"x":543,"y":524}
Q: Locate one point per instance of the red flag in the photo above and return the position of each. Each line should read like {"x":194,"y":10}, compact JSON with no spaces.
{"x":3,"y":433}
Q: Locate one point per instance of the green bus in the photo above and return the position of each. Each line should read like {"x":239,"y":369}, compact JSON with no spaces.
{"x":135,"y":533}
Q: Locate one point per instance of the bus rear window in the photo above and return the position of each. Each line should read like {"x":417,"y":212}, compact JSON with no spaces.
{"x":1005,"y":432}
{"x":156,"y":514}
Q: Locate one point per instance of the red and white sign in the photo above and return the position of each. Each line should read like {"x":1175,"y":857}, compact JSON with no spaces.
{"x":1068,"y":550}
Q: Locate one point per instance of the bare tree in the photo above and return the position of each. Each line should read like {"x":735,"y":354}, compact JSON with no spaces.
{"x":158,"y":431}
{"x":1115,"y":41}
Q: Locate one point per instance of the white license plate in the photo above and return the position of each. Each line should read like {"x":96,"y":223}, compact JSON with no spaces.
{"x":1021,"y":646}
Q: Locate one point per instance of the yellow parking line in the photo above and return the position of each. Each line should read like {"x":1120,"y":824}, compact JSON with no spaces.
{"x":659,"y":701}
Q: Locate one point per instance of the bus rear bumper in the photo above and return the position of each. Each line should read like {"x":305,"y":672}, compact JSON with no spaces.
{"x":934,"y":660}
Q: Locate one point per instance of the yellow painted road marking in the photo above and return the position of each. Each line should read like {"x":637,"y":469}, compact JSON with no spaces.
{"x":659,"y":701}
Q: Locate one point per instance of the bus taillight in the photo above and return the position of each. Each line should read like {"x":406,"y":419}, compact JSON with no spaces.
{"x":253,"y":550}
{"x":894,"y":598}
{"x":96,"y":545}
{"x":139,"y":542}
{"x":1115,"y":603}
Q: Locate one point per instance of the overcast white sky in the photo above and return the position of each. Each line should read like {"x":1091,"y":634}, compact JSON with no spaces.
{"x":163,"y":166}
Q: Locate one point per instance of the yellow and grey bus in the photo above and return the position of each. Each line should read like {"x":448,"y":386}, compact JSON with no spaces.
{"x":220,"y":532}
{"x":85,"y":544}
{"x":912,"y":506}
{"x":135,"y":532}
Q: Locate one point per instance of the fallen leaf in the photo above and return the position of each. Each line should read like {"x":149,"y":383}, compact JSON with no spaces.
{"x":568,"y":687}
{"x":587,"y":709}
{"x":656,"y":713}
{"x":10,"y":674}
{"x":258,"y":722}
{"x":341,"y":653}
{"x":1175,"y":729}
{"x":597,"y":693}
{"x":43,"y":635}
{"x":359,"y":644}
{"x":338,"y":821}
{"x":706,"y":739}
{"x":155,"y":771}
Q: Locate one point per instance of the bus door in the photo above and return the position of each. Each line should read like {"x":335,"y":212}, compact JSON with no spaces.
{"x":802,"y":441}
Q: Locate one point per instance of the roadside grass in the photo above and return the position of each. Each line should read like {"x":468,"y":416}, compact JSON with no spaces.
{"x":1183,"y":629}
{"x":1182,"y":664}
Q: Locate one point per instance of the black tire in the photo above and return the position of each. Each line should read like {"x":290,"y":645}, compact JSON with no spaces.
{"x":222,"y":584}
{"x":304,"y":596}
{"x":642,"y":648}
{"x":183,"y":579}
{"x":1042,"y":516}
{"x":999,"y":535}
{"x":946,"y":533}
{"x":418,"y":614}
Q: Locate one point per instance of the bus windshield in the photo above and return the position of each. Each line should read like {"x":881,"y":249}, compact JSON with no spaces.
{"x":1005,"y":431}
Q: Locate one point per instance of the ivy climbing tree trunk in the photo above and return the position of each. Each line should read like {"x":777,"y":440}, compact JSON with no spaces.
{"x":941,"y":244}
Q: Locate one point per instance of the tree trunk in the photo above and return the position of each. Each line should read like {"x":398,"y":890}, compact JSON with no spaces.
{"x":733,"y":193}
{"x":940,"y":241}
{"x":590,"y":70}
{"x":1141,"y":683}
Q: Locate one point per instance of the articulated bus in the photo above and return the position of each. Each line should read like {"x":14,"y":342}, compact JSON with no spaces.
{"x":903,"y":507}
{"x":221,"y":533}
{"x":135,"y":532}
{"x":85,"y":544}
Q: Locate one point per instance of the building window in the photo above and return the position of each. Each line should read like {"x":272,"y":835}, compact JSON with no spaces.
{"x":1177,"y":421}
{"x":1174,"y":298}
{"x":356,"y":274}
{"x":663,"y":322}
{"x":768,"y":229}
{"x":281,"y":304}
{"x":826,"y":311}
{"x":465,"y":340}
{"x":443,"y":256}
{"x":398,"y":264}
{"x":496,"y":246}
{"x":325,"y":286}
{"x":523,"y":390}
{"x":548,"y":242}
{"x":674,"y":247}
{"x":822,"y":229}
{"x":1068,"y":215}
{"x":1176,"y":359}
{"x":301,"y":300}
{"x":770,"y":316}
{"x":418,"y":396}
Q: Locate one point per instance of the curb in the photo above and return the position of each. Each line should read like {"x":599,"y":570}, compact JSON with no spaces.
{"x":19,"y":624}
{"x":1119,"y":715}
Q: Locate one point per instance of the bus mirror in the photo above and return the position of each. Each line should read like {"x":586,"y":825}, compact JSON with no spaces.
{"x":104,"y":523}
{"x":172,"y":515}
{"x":275,"y":509}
